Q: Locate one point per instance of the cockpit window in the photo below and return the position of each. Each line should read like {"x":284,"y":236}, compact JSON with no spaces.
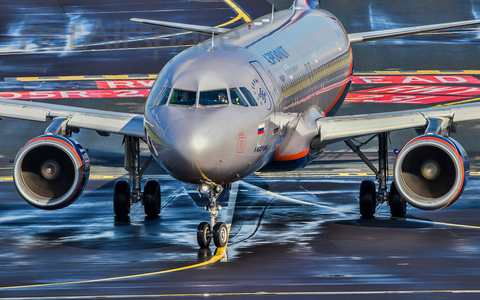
{"x":152,"y":96}
{"x":183,"y":97}
{"x":211,"y":98}
{"x":249,"y":97}
{"x":163,"y":96}
{"x":236,"y":98}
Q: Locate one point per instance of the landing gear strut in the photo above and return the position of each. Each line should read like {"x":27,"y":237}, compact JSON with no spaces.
{"x":123,"y":197}
{"x":369,"y":198}
{"x":217,"y":230}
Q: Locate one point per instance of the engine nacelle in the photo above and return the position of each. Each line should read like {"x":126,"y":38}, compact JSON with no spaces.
{"x":51,"y":171}
{"x":431,"y":171}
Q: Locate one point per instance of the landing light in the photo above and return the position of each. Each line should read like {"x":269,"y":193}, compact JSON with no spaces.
{"x":198,"y":143}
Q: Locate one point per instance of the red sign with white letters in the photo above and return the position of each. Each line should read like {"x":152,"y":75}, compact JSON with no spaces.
{"x":442,"y":79}
{"x":426,"y":89}
{"x":20,"y":95}
{"x":400,"y":99}
{"x":124,"y":84}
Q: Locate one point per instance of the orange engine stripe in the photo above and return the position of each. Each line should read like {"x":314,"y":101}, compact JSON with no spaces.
{"x":58,"y":140}
{"x":76,"y":154}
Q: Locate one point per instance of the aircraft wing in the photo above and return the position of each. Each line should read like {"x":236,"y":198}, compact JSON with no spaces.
{"x":182,"y":26}
{"x":99,"y":120}
{"x":389,"y":33}
{"x":339,"y":128}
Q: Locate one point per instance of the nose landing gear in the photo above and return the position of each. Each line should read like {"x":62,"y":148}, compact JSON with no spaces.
{"x":216,"y":230}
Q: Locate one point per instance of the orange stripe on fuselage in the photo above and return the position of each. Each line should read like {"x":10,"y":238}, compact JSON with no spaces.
{"x":291,"y":156}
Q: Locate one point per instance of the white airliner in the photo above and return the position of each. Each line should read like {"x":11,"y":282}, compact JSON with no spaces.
{"x":262,"y":95}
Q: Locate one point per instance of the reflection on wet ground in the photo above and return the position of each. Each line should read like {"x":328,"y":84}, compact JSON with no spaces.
{"x":287,"y":234}
{"x":293,"y":235}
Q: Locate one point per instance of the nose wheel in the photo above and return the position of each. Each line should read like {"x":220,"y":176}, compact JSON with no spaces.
{"x":204,"y":235}
{"x":216,"y":230}
{"x":220,"y":234}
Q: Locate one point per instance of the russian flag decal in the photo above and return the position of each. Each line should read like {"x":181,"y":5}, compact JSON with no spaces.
{"x":261,"y":128}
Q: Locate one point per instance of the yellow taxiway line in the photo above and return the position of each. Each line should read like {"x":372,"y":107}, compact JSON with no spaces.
{"x":457,"y":102}
{"x":85,"y":77}
{"x":153,"y":76}
{"x":77,"y":48}
{"x":421,"y":72}
{"x":256,"y":294}
{"x":313,"y":175}
{"x":219,"y":254}
{"x":238,"y":10}
{"x":438,"y":223}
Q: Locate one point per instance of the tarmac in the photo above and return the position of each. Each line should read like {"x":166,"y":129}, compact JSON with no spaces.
{"x":293,"y":234}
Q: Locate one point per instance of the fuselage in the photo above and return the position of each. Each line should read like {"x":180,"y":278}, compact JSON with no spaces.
{"x":225,"y":108}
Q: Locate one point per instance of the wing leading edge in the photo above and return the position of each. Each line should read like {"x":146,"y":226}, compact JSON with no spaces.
{"x":99,"y":120}
{"x":390,"y":33}
{"x":333,"y":129}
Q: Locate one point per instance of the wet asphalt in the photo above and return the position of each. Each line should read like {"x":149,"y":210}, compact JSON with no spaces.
{"x":295,"y":235}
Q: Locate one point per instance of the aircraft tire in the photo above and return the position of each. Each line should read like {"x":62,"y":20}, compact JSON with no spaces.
{"x":367,"y":199}
{"x":121,"y":198}
{"x":398,"y":205}
{"x":220,"y":234}
{"x":152,"y":198}
{"x":204,"y":235}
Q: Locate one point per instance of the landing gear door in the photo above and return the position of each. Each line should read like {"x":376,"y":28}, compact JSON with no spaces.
{"x":264,"y":91}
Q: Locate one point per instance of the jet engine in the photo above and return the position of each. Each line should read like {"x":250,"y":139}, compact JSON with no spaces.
{"x":431,"y":171}
{"x":51,"y":171}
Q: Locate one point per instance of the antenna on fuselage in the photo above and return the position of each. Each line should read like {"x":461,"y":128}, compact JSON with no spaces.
{"x":273,"y":8}
{"x":213,"y":39}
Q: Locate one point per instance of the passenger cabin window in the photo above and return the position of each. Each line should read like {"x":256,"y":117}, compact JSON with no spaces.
{"x":237,"y":98}
{"x":212,"y":98}
{"x":249,"y":97}
{"x":163,"y":96}
{"x":183,"y":97}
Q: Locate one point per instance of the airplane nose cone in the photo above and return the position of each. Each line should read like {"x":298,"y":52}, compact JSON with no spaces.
{"x":194,"y":150}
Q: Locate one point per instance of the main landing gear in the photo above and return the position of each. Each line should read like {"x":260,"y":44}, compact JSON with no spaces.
{"x":217,"y":230}
{"x":123,"y":198}
{"x":369,"y":198}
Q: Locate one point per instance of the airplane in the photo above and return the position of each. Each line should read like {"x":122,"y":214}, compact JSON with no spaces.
{"x":262,"y":95}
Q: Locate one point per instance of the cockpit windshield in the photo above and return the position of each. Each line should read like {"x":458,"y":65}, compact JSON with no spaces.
{"x":236,"y":98}
{"x":249,"y":97}
{"x":183,"y":97}
{"x":222,"y":97}
{"x":211,"y":98}
{"x":163,"y":96}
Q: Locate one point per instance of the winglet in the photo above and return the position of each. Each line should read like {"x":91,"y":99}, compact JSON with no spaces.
{"x":306,"y":4}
